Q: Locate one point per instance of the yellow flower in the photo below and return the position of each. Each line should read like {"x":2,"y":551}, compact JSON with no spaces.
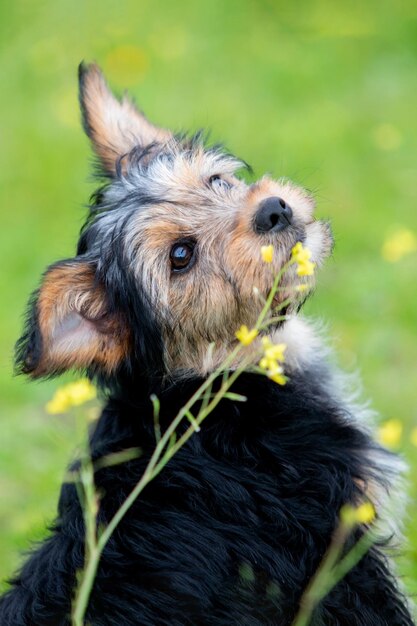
{"x":273,"y":370}
{"x":277,"y":375}
{"x":273,"y":351}
{"x":390,"y":433}
{"x":267,"y":253}
{"x":363,"y":514}
{"x":306,"y":268}
{"x":413,"y":437}
{"x":299,"y":253}
{"x":81,"y":391}
{"x":267,"y":364}
{"x":246,"y":336}
{"x":402,"y":242}
{"x":59,"y":402}
{"x":271,"y":361}
{"x":68,"y":396}
{"x":302,"y":287}
{"x":302,"y":256}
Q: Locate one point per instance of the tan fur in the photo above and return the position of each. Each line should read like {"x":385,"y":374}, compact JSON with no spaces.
{"x":209,"y":302}
{"x":68,"y":293}
{"x":115,"y":127}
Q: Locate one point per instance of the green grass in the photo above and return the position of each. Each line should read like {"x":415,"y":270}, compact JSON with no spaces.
{"x":321,"y":92}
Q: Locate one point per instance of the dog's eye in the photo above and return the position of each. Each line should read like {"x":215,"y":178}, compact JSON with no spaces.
{"x":182,"y":254}
{"x":218,"y":183}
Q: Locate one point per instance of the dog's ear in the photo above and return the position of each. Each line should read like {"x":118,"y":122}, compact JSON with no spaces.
{"x":114,"y":126}
{"x":71,"y":325}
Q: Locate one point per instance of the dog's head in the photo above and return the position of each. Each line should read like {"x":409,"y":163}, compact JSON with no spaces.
{"x":169,"y":257}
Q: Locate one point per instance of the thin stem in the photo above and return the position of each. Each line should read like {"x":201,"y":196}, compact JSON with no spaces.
{"x":162,"y":443}
{"x":206,"y":397}
{"x":314,"y":591}
{"x":352,"y":558}
{"x":274,"y":320}
{"x":84,"y":590}
{"x":92,"y":555}
{"x":170,"y":452}
{"x":120,"y":513}
{"x":156,"y":425}
{"x":331,"y":571}
{"x":166,"y":447}
{"x":271,"y":295}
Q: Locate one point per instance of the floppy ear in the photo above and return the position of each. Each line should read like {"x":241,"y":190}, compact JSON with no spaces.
{"x":70,"y":324}
{"x":114,"y":126}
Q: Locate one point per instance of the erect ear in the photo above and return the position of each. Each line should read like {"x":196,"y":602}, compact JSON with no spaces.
{"x":114,"y":126}
{"x":70,"y":324}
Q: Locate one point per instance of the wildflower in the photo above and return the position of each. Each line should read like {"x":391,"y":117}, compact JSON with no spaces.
{"x":59,"y":402}
{"x":390,"y":433}
{"x":246,"y":336}
{"x":273,"y":351}
{"x":272,"y":359}
{"x":277,"y":375}
{"x":68,"y":396}
{"x":363,"y":514}
{"x":401,"y":242}
{"x":301,"y":287}
{"x":302,"y":256}
{"x":306,"y":268}
{"x":267,"y":253}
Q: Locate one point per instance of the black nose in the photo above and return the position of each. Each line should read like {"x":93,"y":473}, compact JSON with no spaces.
{"x":273,"y":214}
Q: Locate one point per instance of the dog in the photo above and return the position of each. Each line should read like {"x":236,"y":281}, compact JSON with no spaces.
{"x":233,"y":529}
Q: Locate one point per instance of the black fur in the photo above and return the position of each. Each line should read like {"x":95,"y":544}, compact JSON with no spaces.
{"x":233,"y":528}
{"x":28,"y":348}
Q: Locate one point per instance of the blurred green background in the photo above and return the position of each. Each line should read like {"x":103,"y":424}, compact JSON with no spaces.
{"x":322,"y":92}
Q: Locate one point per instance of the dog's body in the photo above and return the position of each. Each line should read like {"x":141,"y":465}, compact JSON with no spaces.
{"x":233,"y":529}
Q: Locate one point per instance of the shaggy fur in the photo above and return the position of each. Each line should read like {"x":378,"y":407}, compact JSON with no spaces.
{"x":232,"y":530}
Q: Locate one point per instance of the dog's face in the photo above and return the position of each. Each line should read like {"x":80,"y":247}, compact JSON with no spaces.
{"x":170,"y":255}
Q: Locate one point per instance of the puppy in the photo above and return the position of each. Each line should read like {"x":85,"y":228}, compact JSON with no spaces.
{"x":233,"y":529}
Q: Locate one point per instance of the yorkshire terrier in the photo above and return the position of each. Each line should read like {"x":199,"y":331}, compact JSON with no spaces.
{"x":233,"y":529}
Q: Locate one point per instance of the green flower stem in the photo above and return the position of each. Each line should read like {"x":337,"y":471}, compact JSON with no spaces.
{"x":89,"y":502}
{"x":84,"y":590}
{"x":315,"y":590}
{"x":172,"y":450}
{"x":166,"y":447}
{"x":351,"y":559}
{"x":271,"y":295}
{"x":93,"y":554}
{"x":161,"y":445}
{"x":331,"y":571}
